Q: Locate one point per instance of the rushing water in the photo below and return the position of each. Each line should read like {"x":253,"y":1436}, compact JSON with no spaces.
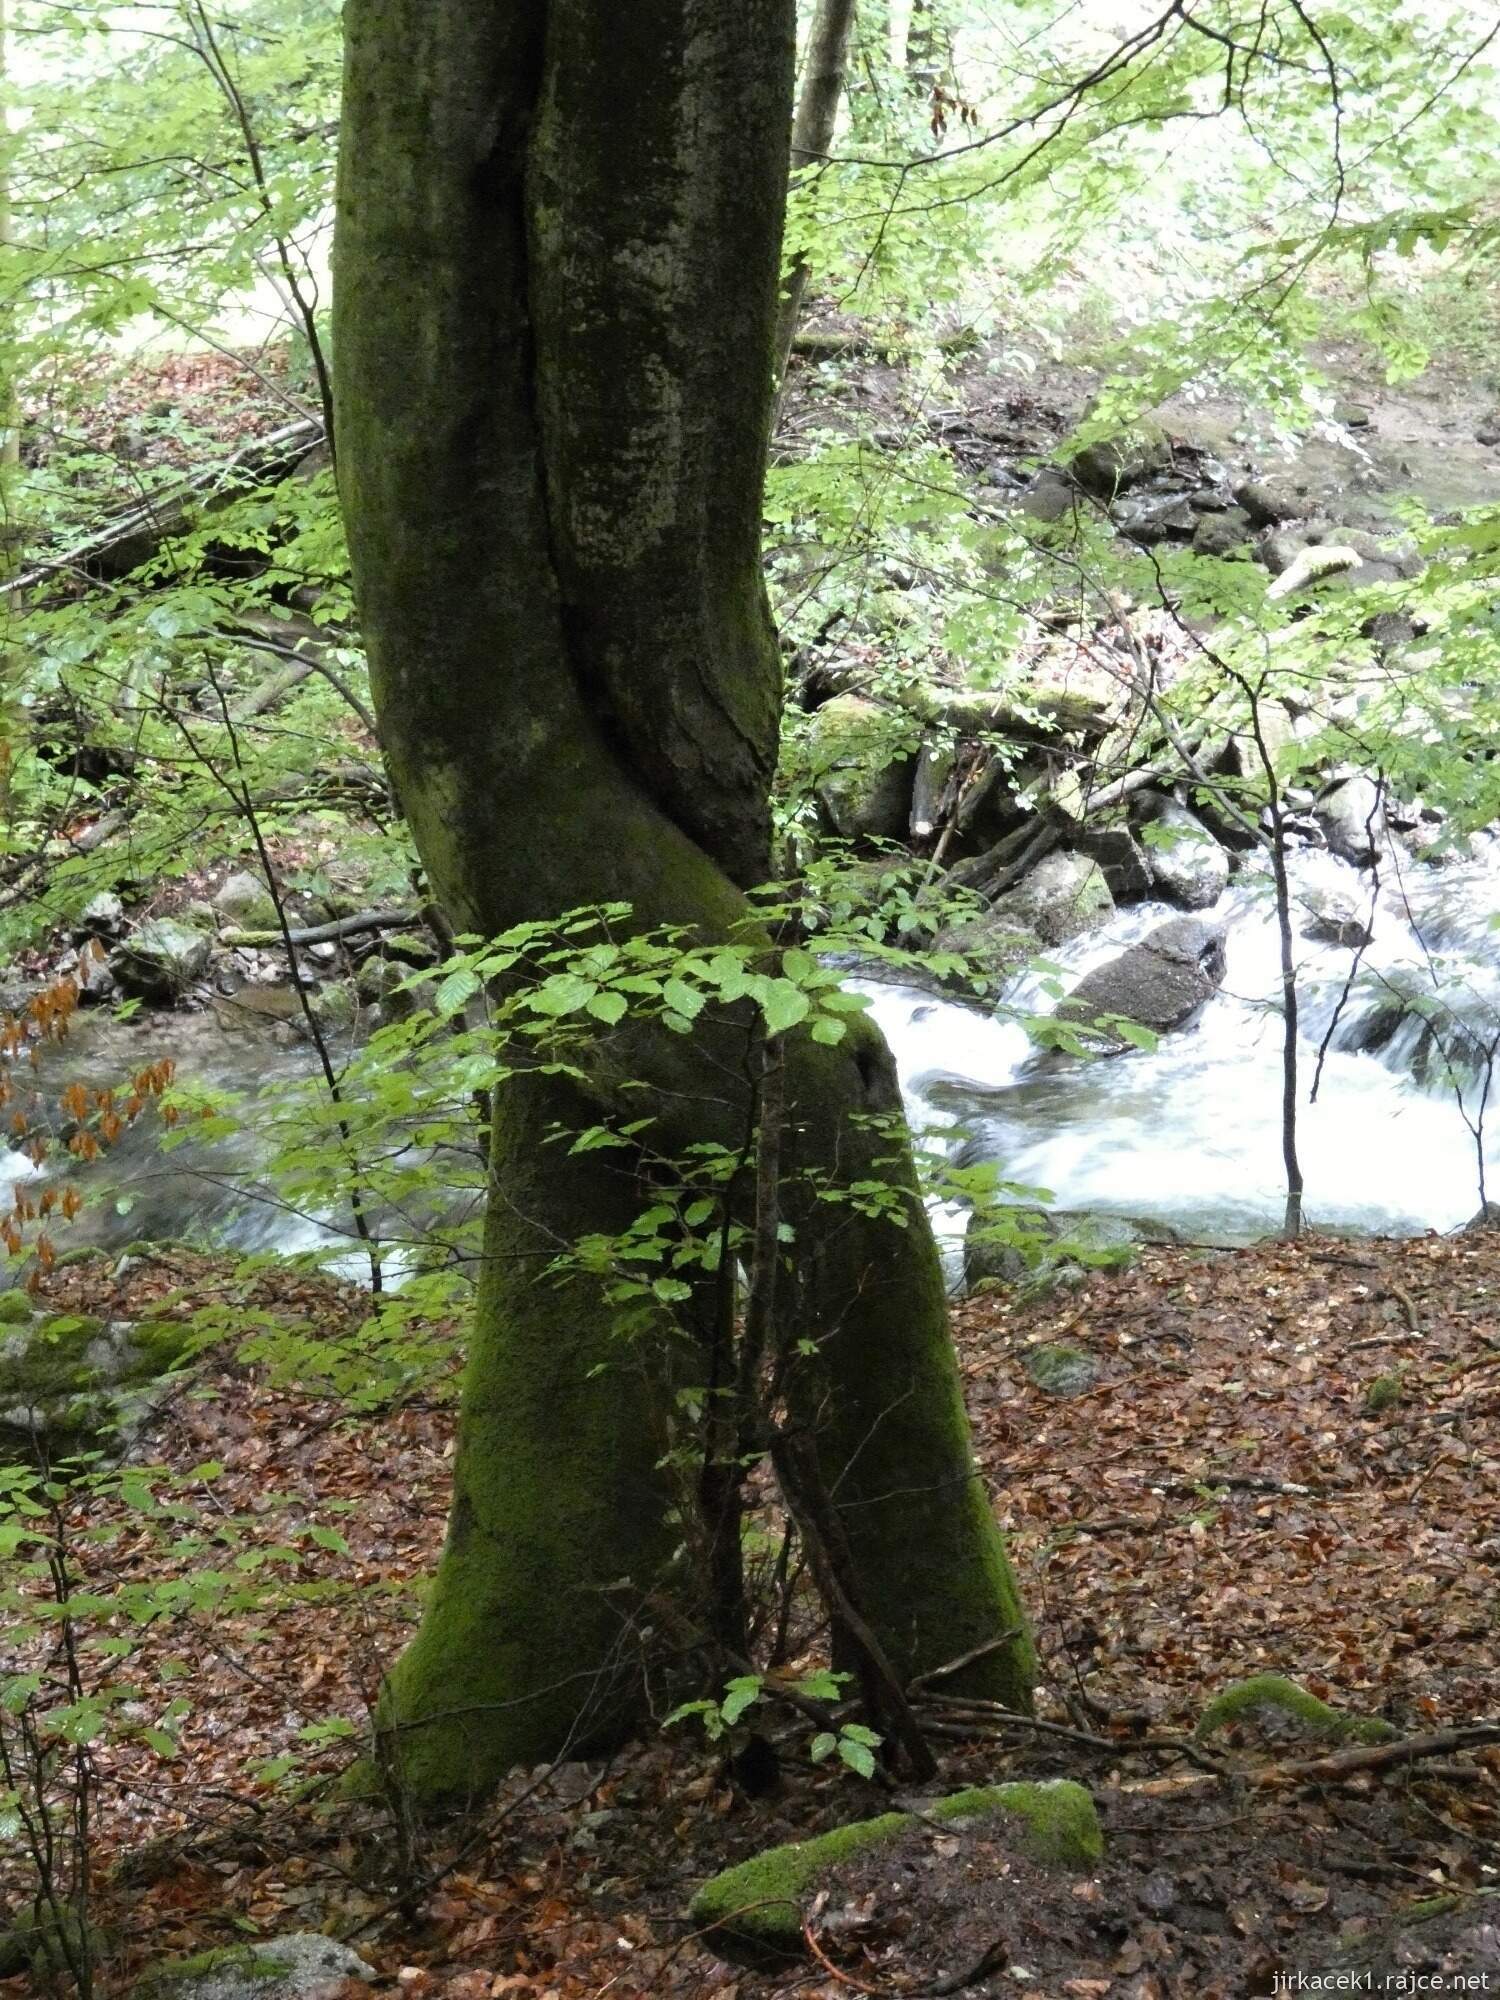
{"x":1187,"y":1134}
{"x":1190,"y":1133}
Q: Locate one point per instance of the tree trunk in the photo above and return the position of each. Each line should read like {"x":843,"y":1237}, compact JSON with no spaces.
{"x":557,"y":255}
{"x":812,"y":137}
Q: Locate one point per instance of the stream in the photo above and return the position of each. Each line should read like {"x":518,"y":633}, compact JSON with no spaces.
{"x":1189,"y":1134}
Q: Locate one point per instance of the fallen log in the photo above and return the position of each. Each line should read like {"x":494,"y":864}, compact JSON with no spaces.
{"x":134,"y":534}
{"x":339,"y":927}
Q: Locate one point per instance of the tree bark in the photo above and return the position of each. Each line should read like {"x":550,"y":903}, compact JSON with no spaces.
{"x":812,"y":137}
{"x":556,"y":265}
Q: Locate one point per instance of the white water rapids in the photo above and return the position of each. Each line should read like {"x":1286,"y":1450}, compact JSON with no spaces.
{"x":1189,"y":1133}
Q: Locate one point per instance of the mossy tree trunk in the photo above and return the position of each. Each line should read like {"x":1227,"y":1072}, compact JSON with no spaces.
{"x":556,"y":277}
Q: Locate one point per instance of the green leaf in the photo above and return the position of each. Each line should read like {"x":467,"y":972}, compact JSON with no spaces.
{"x":783,"y":1006}
{"x":740,"y":1694}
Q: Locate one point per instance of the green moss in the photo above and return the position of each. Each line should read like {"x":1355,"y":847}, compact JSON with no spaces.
{"x":1275,"y":1691}
{"x":1383,"y":1393}
{"x":245,"y":1961}
{"x":755,"y":1910}
{"x":1059,"y":1369}
{"x":16,"y":1309}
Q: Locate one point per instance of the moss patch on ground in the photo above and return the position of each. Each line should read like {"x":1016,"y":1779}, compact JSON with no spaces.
{"x":1285,"y":1697}
{"x":755,"y":1910}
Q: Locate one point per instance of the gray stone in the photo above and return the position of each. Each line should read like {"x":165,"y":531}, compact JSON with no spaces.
{"x":1158,"y":517}
{"x":301,"y":1966}
{"x":70,"y":1381}
{"x":1222,"y":535}
{"x":1330,"y":913}
{"x":1187,"y":864}
{"x":1065,"y":895}
{"x":160,"y":960}
{"x":1015,"y":1243}
{"x":102,"y":917}
{"x":1269,"y":502}
{"x":1051,"y":497}
{"x":1352,"y":820}
{"x":244,"y":901}
{"x":1119,"y":854}
{"x":862,"y":758}
{"x":1060,"y":1370}
{"x":1162,"y":983}
{"x":1115,"y":464}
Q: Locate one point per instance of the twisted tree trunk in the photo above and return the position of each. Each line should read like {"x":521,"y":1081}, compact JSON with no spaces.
{"x":557,"y":260}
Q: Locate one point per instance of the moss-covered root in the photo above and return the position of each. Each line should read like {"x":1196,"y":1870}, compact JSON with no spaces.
{"x":1286,"y":1698}
{"x":754,"y":1912}
{"x":559,"y":1517}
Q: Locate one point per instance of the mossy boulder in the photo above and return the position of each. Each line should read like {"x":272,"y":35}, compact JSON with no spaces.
{"x":1060,"y":1370}
{"x":754,"y":1912}
{"x":863,"y":763}
{"x":69,"y":1381}
{"x":16,"y":1309}
{"x":245,"y":903}
{"x":302,"y":1966}
{"x":1272,"y":1699}
{"x":1017,"y":1245}
{"x":1065,"y":895}
{"x":160,"y":960}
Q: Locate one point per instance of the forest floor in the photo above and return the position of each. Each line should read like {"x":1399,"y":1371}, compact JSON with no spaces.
{"x":1227,"y":1498}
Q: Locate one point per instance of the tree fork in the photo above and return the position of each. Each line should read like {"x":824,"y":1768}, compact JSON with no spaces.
{"x":556,"y":263}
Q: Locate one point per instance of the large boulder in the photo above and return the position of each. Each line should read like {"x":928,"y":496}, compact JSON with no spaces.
{"x":1112,"y":465}
{"x":1014,"y":1244}
{"x":1352,"y":817}
{"x":160,"y":960}
{"x":1162,"y":983}
{"x":1119,"y":854}
{"x":1187,"y":864}
{"x":1065,"y":895}
{"x":244,"y":902}
{"x":70,"y":1382}
{"x":863,"y":765}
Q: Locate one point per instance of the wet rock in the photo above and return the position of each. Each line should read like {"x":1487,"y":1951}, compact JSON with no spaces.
{"x":1488,"y":430}
{"x":1119,"y":854}
{"x":1269,"y":502}
{"x":1279,"y":548}
{"x":1353,"y":416}
{"x":1352,"y":820}
{"x":302,"y":1966}
{"x":1162,"y":983}
{"x":1222,"y":535}
{"x":1065,"y":895}
{"x":1330,"y":913}
{"x":1187,"y":864}
{"x":993,"y":949}
{"x":864,"y":763}
{"x":160,"y":960}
